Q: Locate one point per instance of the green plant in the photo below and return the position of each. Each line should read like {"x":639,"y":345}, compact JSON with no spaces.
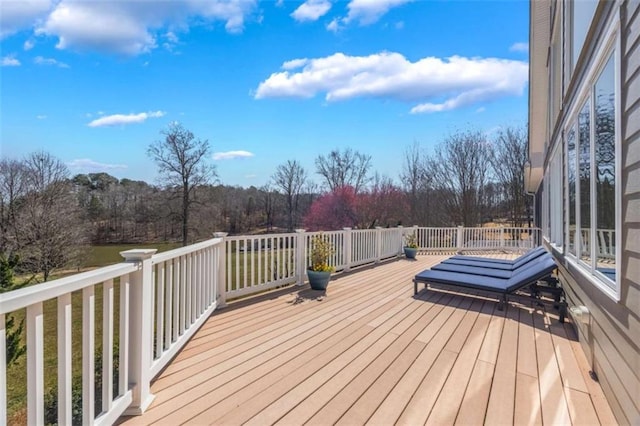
{"x":411,"y":240}
{"x":321,"y":250}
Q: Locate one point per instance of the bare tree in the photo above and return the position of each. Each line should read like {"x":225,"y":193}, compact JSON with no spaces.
{"x":290,"y":177}
{"x":181,"y":160}
{"x":50,"y":232}
{"x":347,"y":168}
{"x":415,"y":182}
{"x":510,"y":156}
{"x":461,"y":169}
{"x":12,"y":188}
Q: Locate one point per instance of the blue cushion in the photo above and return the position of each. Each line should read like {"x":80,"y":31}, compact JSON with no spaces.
{"x":523,"y":276}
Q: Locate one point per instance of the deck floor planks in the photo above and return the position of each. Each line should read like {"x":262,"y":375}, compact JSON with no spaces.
{"x":527,"y":410}
{"x":467,"y":346}
{"x":336,"y":312}
{"x":600,"y":404}
{"x":393,"y":405}
{"x":243,"y":374}
{"x":347,"y":364}
{"x":500,"y":409}
{"x":554,"y":404}
{"x":342,"y":401}
{"x":527,"y":360}
{"x":476,"y":397}
{"x":378,"y":355}
{"x":307,"y":363}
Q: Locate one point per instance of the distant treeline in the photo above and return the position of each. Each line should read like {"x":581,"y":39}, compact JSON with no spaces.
{"x":47,"y":216}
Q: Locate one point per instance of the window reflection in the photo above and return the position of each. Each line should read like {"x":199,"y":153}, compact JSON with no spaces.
{"x":584,"y":170}
{"x":571,"y":180}
{"x":605,"y":168}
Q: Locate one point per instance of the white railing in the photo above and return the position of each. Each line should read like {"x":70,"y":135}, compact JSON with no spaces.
{"x":499,"y":238}
{"x":161,"y":300}
{"x":605,"y":242}
{"x":158,"y":302}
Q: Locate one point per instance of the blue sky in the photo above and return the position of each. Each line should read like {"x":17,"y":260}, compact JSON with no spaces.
{"x":94,"y":83}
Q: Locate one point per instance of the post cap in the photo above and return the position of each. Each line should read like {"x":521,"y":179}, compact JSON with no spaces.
{"x":220,"y":234}
{"x":137,"y":255}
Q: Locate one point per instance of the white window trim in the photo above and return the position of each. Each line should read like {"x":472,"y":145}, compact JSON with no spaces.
{"x":612,"y":44}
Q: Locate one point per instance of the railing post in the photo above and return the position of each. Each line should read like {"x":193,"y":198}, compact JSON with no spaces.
{"x":347,"y":249}
{"x":460,"y":242}
{"x":401,"y":240}
{"x":140,"y":329}
{"x":378,"y":243}
{"x":417,"y":234}
{"x":221,"y":271}
{"x":300,"y":256}
{"x":502,"y":246}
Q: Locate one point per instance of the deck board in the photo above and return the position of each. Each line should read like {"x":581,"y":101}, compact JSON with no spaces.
{"x":370,"y":352}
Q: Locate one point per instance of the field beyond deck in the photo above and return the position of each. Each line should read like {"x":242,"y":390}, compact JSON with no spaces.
{"x":371,"y":352}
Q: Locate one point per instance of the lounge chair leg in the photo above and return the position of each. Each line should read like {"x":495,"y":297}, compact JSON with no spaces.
{"x":415,"y":287}
{"x":563,"y":312}
{"x":502,"y":302}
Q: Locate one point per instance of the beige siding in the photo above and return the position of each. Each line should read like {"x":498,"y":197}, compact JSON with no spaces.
{"x":612,"y":339}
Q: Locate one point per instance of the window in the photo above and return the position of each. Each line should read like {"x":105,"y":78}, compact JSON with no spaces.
{"x":584,"y":182}
{"x":571,"y":190}
{"x":555,"y":199}
{"x":605,"y":168}
{"x":581,"y":17}
{"x":590,"y":143}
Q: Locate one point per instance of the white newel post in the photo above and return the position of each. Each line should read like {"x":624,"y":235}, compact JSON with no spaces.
{"x":401,"y":239}
{"x":220,"y":271}
{"x":460,"y":235}
{"x":502,"y":246}
{"x":300,"y":256}
{"x":415,"y":232}
{"x":378,"y":243}
{"x":140,"y":329}
{"x":347,"y":249}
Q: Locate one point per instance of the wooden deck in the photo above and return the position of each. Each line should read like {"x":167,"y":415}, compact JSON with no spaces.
{"x":370,"y":352}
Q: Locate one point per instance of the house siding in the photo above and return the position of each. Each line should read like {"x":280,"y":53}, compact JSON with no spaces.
{"x":611,"y":340}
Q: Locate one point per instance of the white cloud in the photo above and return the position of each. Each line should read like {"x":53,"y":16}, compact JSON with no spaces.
{"x":481,"y":109}
{"x":231,"y":155}
{"x":519,"y":47}
{"x":311,"y":10}
{"x":41,"y":117}
{"x":10,"y":61}
{"x":369,"y":11}
{"x":28,"y":44}
{"x":88,"y":164}
{"x":334,"y":25}
{"x":295,"y":63}
{"x":438,"y":84}
{"x":122,"y":119}
{"x":17,"y":15}
{"x":39,"y":60}
{"x":132,"y":27}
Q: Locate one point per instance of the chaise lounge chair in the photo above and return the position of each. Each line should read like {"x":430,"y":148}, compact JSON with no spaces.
{"x":525,"y":276}
{"x":507,"y":265}
{"x":489,"y":269}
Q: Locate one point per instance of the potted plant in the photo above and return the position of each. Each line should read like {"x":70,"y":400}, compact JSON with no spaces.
{"x":319,"y":271}
{"x":410,"y":245}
